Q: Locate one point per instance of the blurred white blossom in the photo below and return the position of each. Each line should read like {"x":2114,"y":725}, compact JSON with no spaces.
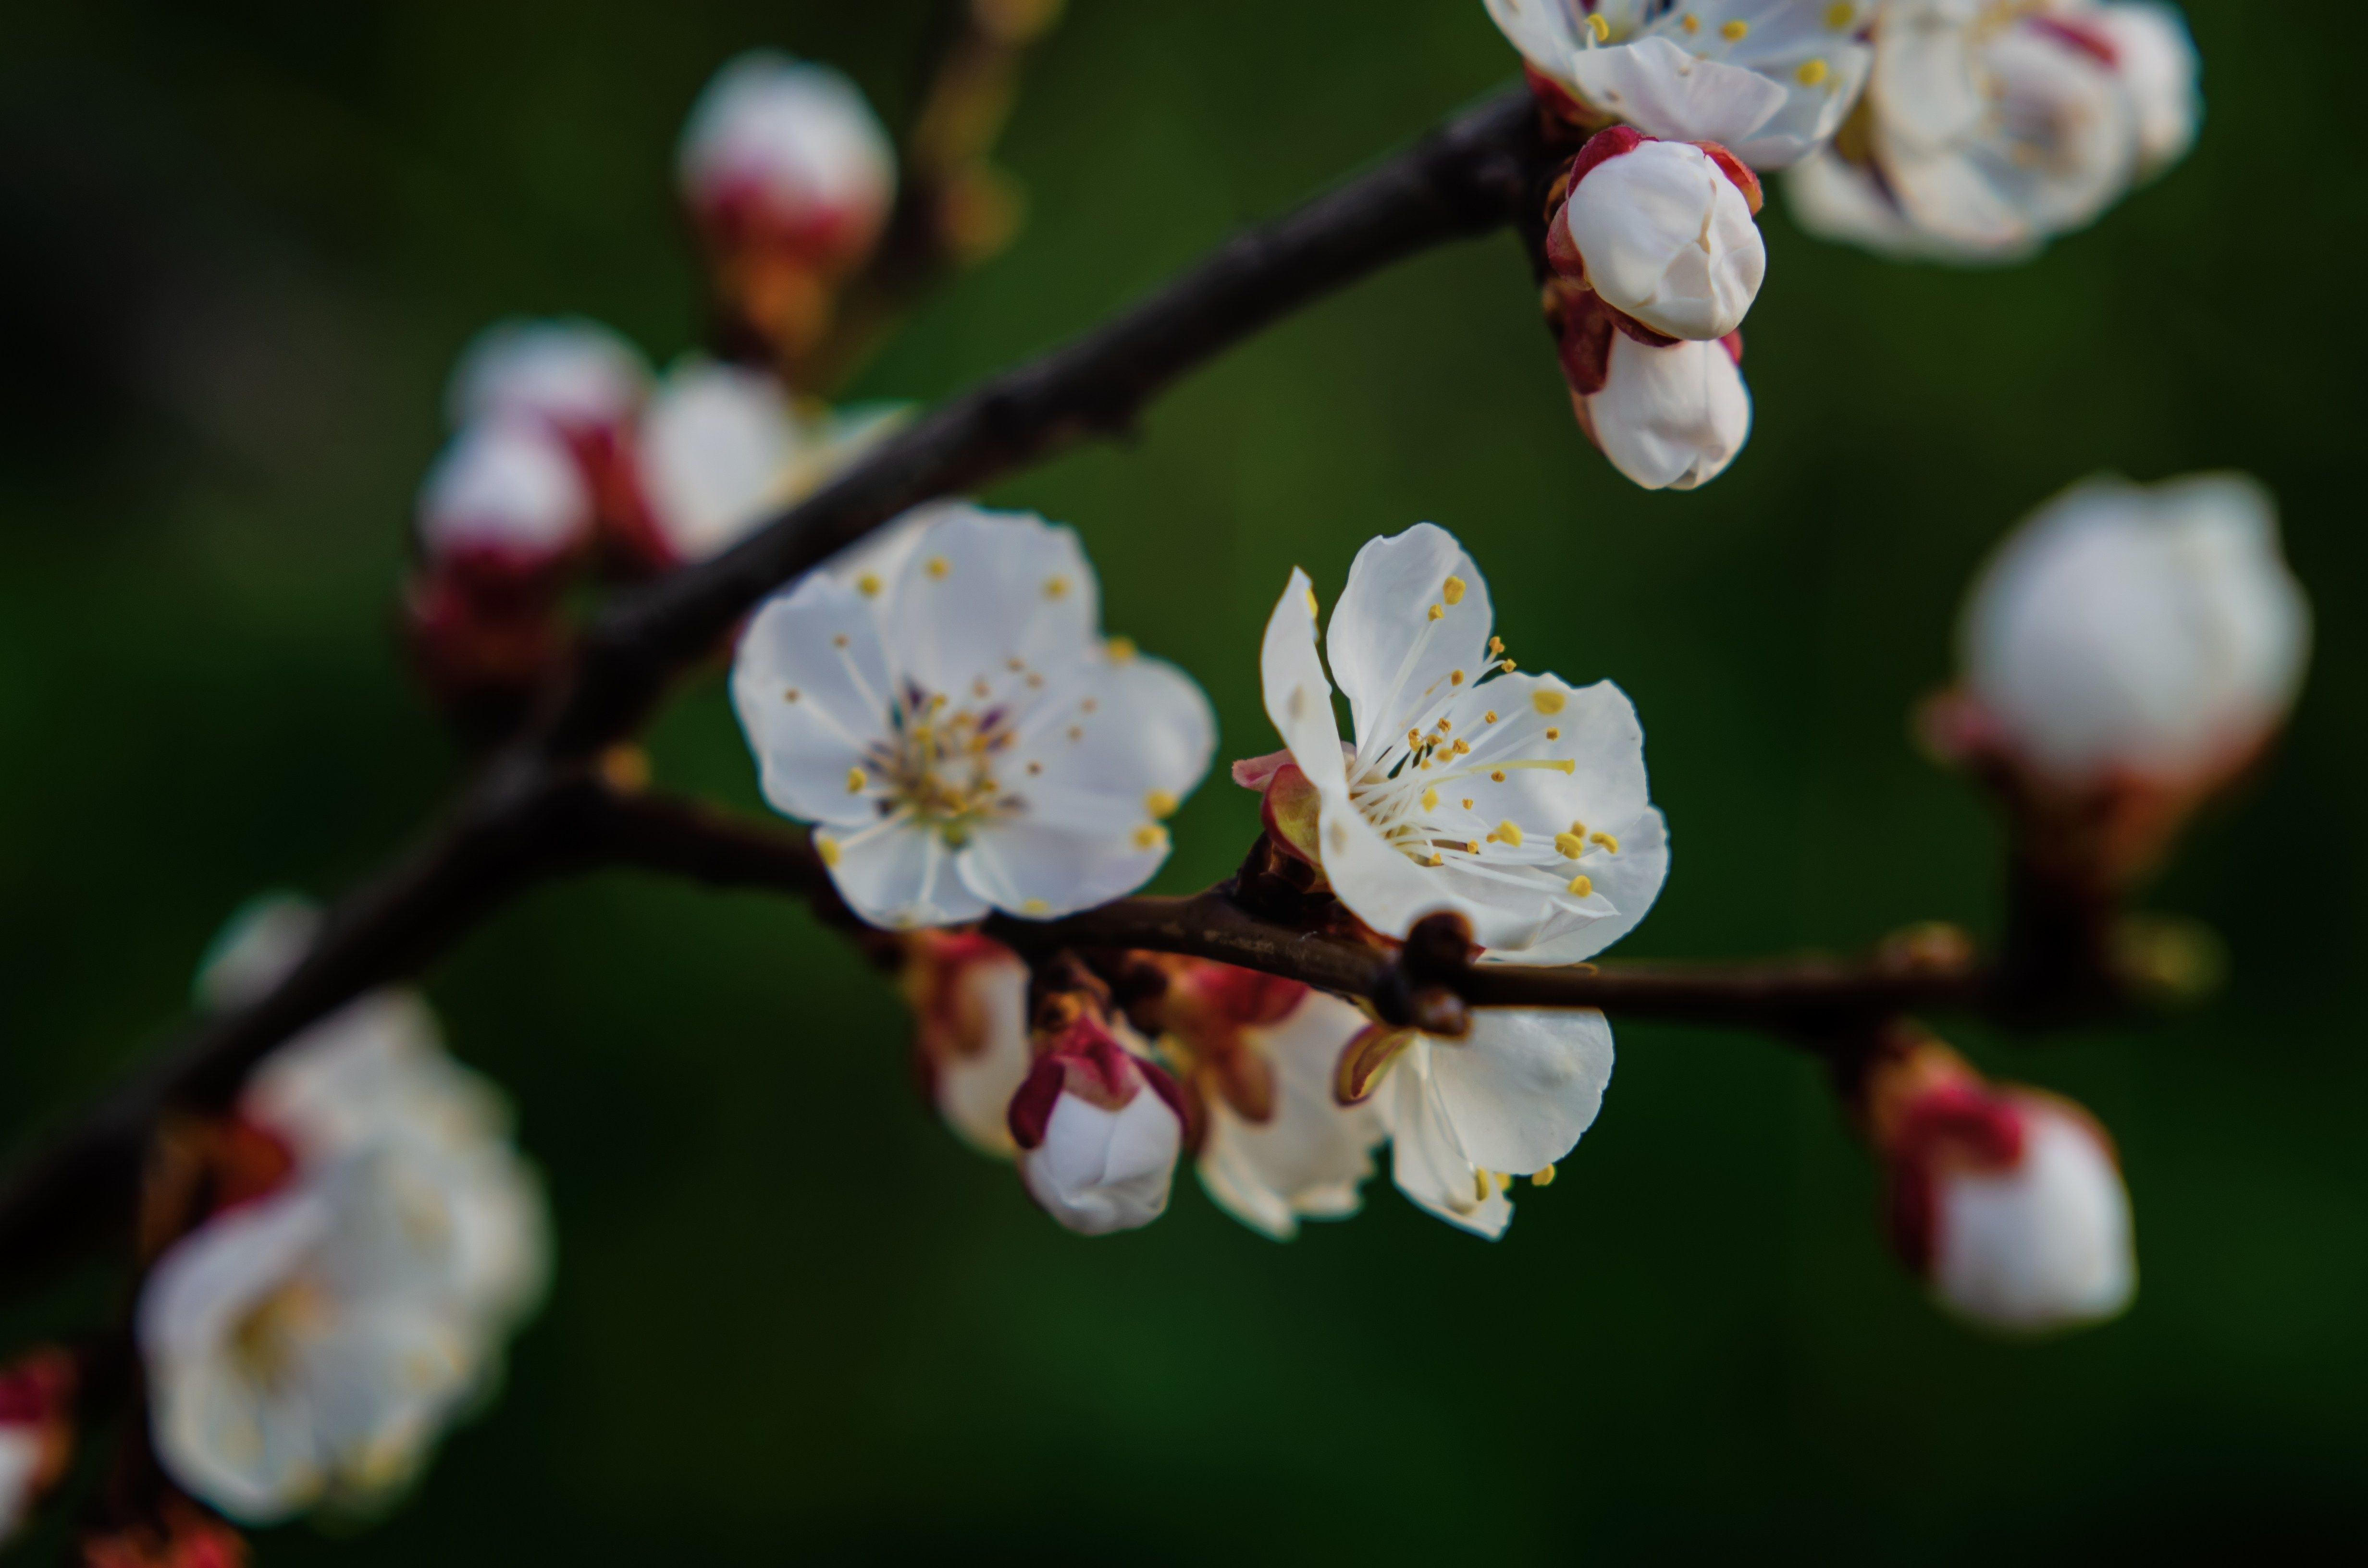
{"x":37,"y":1422}
{"x":1772,"y":79}
{"x":576,"y":376}
{"x":506,"y":495}
{"x":1515,"y":800}
{"x":1992,"y":125}
{"x":1097,"y":1131}
{"x":961,"y":731}
{"x":969,"y":995}
{"x":2138,"y":632}
{"x":788,"y":151}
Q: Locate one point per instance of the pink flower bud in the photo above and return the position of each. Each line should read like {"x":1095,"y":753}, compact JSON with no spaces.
{"x":575,"y":376}
{"x":505,"y":500}
{"x":2008,"y":1201}
{"x":1100,"y":1131}
{"x":969,"y":995}
{"x":784,"y":155}
{"x":37,"y":1410}
{"x":1663,"y":231}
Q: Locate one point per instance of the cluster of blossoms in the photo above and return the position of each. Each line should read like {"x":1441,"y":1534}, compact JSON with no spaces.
{"x":363,"y":1240}
{"x":569,"y":456}
{"x":1971,"y":129}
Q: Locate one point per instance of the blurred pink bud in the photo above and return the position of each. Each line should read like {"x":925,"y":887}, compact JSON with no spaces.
{"x":576,"y":376}
{"x":1098,"y":1130}
{"x":783,"y":154}
{"x":466,"y":638}
{"x":36,"y":1410}
{"x":183,"y":1536}
{"x":507,"y":500}
{"x":1663,"y":231}
{"x":969,"y":995}
{"x":2008,"y":1202}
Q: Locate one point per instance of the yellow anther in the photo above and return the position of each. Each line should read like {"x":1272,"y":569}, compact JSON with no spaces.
{"x":1580,"y":887}
{"x":1076,"y":732}
{"x":1543,"y":1177}
{"x":1436,"y":612}
{"x":1692,"y":23}
{"x":1456,"y":679}
{"x":1602,"y":31}
{"x":840,"y":641}
{"x":1150,"y":836}
{"x":1436,"y":859}
{"x":855,"y":781}
{"x":1414,"y":737}
{"x":1811,"y":73}
{"x":1445,"y":725}
{"x":790,"y":694}
{"x":1497,"y":776}
{"x":1015,"y":665}
{"x":1567,"y":766}
{"x":1089,"y":705}
{"x":1506,"y":666}
{"x":1467,"y":802}
{"x":1452,"y":592}
{"x":1546,"y":700}
{"x":1553,"y":735}
{"x":1510,"y":832}
{"x":1159,"y":804}
{"x":867,"y":586}
{"x":1496,"y":645}
{"x":1034,"y":680}
{"x":939,"y":566}
{"x":1472,"y":847}
{"x":1430,"y":800}
{"x":1480,"y":1178}
{"x":1569,"y":846}
{"x":1490,"y":716}
{"x":1838,"y":16}
{"x":1611,"y":844}
{"x":1579,"y":829}
{"x":1056,"y":587}
{"x":1034,"y":768}
{"x":1035,"y":907}
{"x":979,"y":689}
{"x":1313,"y":609}
{"x":1733,"y":32}
{"x":1120,"y":649}
{"x":1462,"y":748}
{"x":827,"y":848}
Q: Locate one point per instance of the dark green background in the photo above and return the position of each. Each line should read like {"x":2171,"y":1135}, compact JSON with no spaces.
{"x":239,"y":247}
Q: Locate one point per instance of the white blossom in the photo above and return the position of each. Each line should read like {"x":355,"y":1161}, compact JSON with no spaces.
{"x":962,"y":735}
{"x":507,"y":490}
{"x":969,"y":995}
{"x":1770,"y":79}
{"x":37,"y":1422}
{"x":1097,"y":1139}
{"x":723,"y":448}
{"x":1669,"y":418}
{"x":2134,"y":630}
{"x":1667,"y":237}
{"x":1509,"y":1098}
{"x":2043,"y":1241}
{"x":23,"y":1454}
{"x":1513,"y":800}
{"x":1276,"y":1146}
{"x":1993,"y":125}
{"x":575,"y":375}
{"x":788,"y":147}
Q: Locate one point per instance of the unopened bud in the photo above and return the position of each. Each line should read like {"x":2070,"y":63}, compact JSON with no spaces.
{"x":2008,"y":1201}
{"x":507,"y":499}
{"x":1663,"y":231}
{"x":1669,"y":416}
{"x":37,"y":1400}
{"x":968,"y":996}
{"x":573,"y":375}
{"x":1099,"y":1131}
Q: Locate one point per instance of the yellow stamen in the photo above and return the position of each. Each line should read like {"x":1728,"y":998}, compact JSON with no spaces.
{"x":1692,"y":24}
{"x":1546,"y":700}
{"x":1497,"y":777}
{"x":790,"y":694}
{"x":1496,"y":645}
{"x":855,"y":781}
{"x":1472,"y":847}
{"x":1580,"y":887}
{"x":1467,"y":802}
{"x":1120,"y":649}
{"x":1438,"y":612}
{"x":1456,"y":679}
{"x":1734,"y":31}
{"x":1436,"y":859}
{"x":1056,"y":587}
{"x":1543,"y":1177}
{"x":1811,"y":73}
{"x":1462,"y":748}
{"x":1569,"y":846}
{"x":1150,"y":836}
{"x":1430,"y":800}
{"x":1506,"y":666}
{"x":1490,"y":716}
{"x":1553,"y":735}
{"x":840,"y":641}
{"x":1602,"y":31}
{"x":1606,"y":840}
{"x":1035,"y":907}
{"x":1454,"y":591}
{"x":827,"y":848}
{"x":1159,"y":804}
{"x":867,"y":586}
{"x":1480,"y":1178}
{"x":1511,"y":831}
{"x":939,"y":566}
{"x":1838,"y":16}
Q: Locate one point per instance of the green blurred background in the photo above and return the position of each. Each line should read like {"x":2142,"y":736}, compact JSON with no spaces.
{"x":239,"y":245}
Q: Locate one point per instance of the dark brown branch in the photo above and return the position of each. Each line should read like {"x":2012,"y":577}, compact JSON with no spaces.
{"x":523,"y":819}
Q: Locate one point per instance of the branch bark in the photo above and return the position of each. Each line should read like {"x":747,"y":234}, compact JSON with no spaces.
{"x":525,"y":818}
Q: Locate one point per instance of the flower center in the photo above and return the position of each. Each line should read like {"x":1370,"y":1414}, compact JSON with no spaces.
{"x":937,"y":764}
{"x":266,"y":1343}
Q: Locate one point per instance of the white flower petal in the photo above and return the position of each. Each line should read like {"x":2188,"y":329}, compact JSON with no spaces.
{"x":1425,"y":1162}
{"x":1664,"y":91}
{"x":2155,"y":57}
{"x":1670,"y":418}
{"x":1308,"y":1158}
{"x":1521,"y":1086}
{"x":1043,"y":871}
{"x":1546,"y":31}
{"x":973,"y":1091}
{"x":575,"y":373}
{"x":719,"y":450}
{"x":1668,"y":238}
{"x":795,"y":136}
{"x":1298,"y":697}
{"x":1391,"y":655}
{"x":820,"y":641}
{"x":898,"y":875}
{"x":1099,"y":1171}
{"x":2044,"y":1245}
{"x":980,"y":588}
{"x":1126,"y":730}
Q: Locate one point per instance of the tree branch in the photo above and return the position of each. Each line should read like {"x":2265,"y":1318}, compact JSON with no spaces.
{"x":525,"y":817}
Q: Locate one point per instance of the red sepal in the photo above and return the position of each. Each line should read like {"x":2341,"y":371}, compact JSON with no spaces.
{"x":1737,"y":171}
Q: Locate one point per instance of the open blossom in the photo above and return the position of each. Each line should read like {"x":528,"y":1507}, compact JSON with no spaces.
{"x":1992,"y":125}
{"x":962,"y":735}
{"x":968,"y":996}
{"x":1258,"y":1053}
{"x":2130,"y":630}
{"x":1770,"y":78}
{"x":309,"y":1340}
{"x":2008,"y":1202}
{"x":1663,"y":231}
{"x":1466,"y":1116}
{"x":1098,"y":1130}
{"x":723,"y":448}
{"x":1515,"y":800}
